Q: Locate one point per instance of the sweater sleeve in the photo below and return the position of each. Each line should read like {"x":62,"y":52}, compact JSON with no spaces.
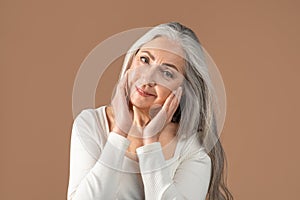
{"x":191,"y":179}
{"x":91,"y":177}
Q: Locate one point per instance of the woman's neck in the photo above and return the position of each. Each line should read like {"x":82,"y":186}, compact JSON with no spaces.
{"x":141,"y":117}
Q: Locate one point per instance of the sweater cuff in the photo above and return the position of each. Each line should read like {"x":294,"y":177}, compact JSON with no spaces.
{"x":118,"y":141}
{"x":151,"y":158}
{"x":114,"y":150}
{"x":155,"y":146}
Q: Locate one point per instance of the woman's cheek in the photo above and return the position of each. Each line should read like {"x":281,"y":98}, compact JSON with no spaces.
{"x":162,"y":96}
{"x":134,"y":77}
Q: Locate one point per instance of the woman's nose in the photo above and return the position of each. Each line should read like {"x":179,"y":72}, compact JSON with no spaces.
{"x":149,"y":76}
{"x":151,"y":84}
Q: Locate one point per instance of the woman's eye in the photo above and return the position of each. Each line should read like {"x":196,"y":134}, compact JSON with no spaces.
{"x":144,"y":59}
{"x":168,"y":74}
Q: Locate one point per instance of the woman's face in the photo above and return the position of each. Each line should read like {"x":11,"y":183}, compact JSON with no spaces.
{"x":156,"y":70}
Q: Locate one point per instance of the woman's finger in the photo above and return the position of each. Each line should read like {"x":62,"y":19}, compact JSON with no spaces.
{"x":169,"y":100}
{"x":123,"y":117}
{"x":123,"y":83}
{"x":173,"y":100}
{"x":174,"y":103}
{"x":156,"y":124}
{"x":164,"y":115}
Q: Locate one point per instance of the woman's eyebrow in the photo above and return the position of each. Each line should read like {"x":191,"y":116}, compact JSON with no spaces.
{"x":171,"y":65}
{"x":151,"y":56}
{"x":167,"y":64}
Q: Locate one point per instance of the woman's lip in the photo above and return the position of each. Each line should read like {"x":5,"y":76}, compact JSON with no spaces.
{"x":142,"y":92}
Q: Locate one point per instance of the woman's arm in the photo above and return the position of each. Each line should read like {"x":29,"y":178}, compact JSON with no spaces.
{"x":191,"y":179}
{"x":92,"y":178}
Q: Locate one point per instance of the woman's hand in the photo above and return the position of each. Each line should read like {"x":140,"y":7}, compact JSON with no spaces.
{"x":162,"y":118}
{"x":122,"y":114}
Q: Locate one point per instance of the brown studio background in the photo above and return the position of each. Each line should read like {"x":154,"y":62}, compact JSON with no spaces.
{"x":254,"y":43}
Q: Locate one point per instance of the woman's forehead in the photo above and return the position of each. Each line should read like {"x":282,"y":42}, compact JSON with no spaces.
{"x":165,"y":50}
{"x":164,"y":44}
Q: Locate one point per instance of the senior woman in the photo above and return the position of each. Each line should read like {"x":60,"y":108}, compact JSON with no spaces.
{"x":155,"y":139}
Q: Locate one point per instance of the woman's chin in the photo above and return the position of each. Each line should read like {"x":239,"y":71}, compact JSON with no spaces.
{"x":144,"y":103}
{"x":140,"y":105}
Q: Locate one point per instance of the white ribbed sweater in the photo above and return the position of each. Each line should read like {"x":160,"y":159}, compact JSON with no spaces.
{"x":100,"y":170}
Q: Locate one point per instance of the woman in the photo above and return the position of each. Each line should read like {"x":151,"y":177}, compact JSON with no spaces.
{"x":158,"y":138}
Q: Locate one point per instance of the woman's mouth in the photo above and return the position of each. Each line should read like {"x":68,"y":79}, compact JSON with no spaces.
{"x":143,"y":93}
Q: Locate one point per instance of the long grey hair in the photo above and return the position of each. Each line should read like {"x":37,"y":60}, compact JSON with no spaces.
{"x":196,"y":112}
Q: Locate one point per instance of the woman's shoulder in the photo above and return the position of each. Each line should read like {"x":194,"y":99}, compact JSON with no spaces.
{"x":91,"y":120}
{"x":90,"y":113}
{"x":88,"y":133}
